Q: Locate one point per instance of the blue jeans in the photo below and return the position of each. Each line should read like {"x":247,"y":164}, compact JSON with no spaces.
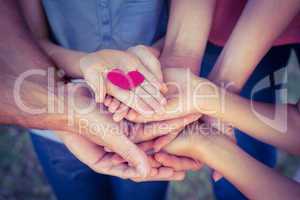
{"x":71,"y":179}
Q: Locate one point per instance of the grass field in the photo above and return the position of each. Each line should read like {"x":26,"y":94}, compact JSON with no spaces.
{"x":21,"y":177}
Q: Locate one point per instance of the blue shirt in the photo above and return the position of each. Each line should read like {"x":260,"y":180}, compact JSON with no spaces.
{"x":90,"y":25}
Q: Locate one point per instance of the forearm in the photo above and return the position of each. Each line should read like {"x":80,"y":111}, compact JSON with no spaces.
{"x":275,"y":124}
{"x":17,"y":44}
{"x":19,"y":57}
{"x":187,"y":35}
{"x":252,"y":178}
{"x":66,"y":59}
{"x":260,"y":24}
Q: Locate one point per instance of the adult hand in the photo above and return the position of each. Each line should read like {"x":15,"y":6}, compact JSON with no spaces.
{"x":187,"y":94}
{"x":94,"y":129}
{"x":194,"y":142}
{"x":144,"y":98}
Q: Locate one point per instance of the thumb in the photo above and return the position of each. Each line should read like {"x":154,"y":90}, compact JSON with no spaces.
{"x":96,"y":81}
{"x":148,"y":59}
{"x":118,"y":143}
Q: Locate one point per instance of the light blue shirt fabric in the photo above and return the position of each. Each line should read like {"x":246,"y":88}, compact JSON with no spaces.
{"x":91,"y":25}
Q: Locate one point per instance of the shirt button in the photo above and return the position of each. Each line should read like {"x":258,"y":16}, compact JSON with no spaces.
{"x":103,"y":4}
{"x":105,"y":21}
{"x":106,"y":38}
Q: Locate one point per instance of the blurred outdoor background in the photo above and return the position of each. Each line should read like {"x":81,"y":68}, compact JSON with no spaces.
{"x":21,"y":177}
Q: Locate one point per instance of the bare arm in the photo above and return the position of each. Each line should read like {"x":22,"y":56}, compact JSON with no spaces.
{"x":187,"y":35}
{"x":275,"y":124}
{"x":14,"y":61}
{"x":253,"y":179}
{"x":66,"y":59}
{"x":18,"y":54}
{"x":260,"y":24}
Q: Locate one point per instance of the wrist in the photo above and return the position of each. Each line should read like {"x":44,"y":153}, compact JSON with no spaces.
{"x":175,"y":59}
{"x":213,"y":150}
{"x":35,"y":105}
{"x":207,"y":97}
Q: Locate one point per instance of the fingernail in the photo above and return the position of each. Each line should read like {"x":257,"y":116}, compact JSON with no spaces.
{"x":160,"y":110}
{"x":217,"y":177}
{"x":164,"y":88}
{"x":149,"y":112}
{"x":142,"y":170}
{"x":164,"y":101}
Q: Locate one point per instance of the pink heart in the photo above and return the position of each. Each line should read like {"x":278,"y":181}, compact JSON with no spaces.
{"x":125,"y":81}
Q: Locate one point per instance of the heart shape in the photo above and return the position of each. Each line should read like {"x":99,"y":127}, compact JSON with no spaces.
{"x":127,"y":81}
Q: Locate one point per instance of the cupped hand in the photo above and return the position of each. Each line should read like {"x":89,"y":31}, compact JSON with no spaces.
{"x":196,"y":142}
{"x":144,"y":98}
{"x":187,"y":94}
{"x":93,"y":129}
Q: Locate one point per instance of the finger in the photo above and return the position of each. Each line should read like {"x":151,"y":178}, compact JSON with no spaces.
{"x":93,"y":151}
{"x":148,"y":99}
{"x":164,"y":174}
{"x":148,"y":148}
{"x":94,"y":156}
{"x":121,"y":113}
{"x":114,"y":105}
{"x":154,"y":74}
{"x":132,"y":154}
{"x":107,"y":150}
{"x":164,"y":141}
{"x":132,"y":114}
{"x":216,"y":176}
{"x":117,"y":142}
{"x":121,"y":170}
{"x":154,"y":92}
{"x":108,"y":100}
{"x":171,"y":111}
{"x":130,"y":99}
{"x":157,"y":129}
{"x":158,"y":174}
{"x":95,"y":80}
{"x":148,"y":59}
{"x":221,"y":127}
{"x":116,"y":159}
{"x":177,"y":163}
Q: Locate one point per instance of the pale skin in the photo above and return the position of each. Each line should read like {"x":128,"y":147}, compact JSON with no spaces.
{"x":252,"y":178}
{"x":69,"y":60}
{"x":247,"y":45}
{"x":20,"y":53}
{"x":211,"y":100}
{"x":146,"y":98}
{"x":222,"y":67}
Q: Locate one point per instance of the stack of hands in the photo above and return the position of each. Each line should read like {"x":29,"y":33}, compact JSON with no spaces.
{"x":149,"y":131}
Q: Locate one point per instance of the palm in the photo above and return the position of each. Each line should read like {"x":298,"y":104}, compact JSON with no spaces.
{"x":181,"y":95}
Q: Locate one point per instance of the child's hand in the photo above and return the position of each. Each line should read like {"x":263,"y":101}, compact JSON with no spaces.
{"x":187,"y":94}
{"x":148,"y":56}
{"x":144,"y":98}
